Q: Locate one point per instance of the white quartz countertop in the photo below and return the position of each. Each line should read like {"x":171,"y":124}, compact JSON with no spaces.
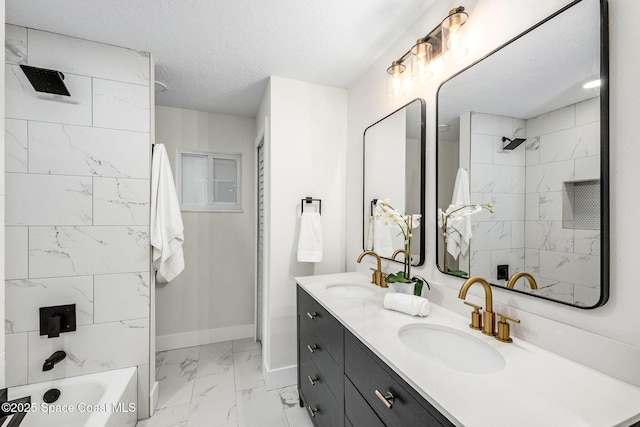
{"x":535,"y":388}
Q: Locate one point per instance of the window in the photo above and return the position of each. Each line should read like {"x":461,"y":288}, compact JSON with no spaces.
{"x":209,"y":182}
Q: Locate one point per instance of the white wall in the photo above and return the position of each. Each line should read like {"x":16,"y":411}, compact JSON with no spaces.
{"x":2,"y":249}
{"x":212,"y":300}
{"x":306,"y":157}
{"x":77,"y":214}
{"x":386,"y":147}
{"x":597,"y":337}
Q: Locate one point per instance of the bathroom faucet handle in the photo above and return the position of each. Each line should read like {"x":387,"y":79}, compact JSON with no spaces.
{"x":377,"y":278}
{"x":476,"y":317}
{"x":503,"y":327}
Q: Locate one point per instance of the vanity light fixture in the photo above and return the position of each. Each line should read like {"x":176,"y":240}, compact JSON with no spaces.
{"x":443,"y":43}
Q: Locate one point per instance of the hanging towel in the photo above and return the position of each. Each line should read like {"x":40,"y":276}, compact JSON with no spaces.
{"x":167,"y":230}
{"x":310,"y":239}
{"x":368,"y":246}
{"x":409,"y":304}
{"x":382,"y":243}
{"x":459,"y":233}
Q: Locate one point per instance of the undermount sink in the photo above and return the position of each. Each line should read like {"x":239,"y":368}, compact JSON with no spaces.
{"x":456,"y":349}
{"x":350,"y":290}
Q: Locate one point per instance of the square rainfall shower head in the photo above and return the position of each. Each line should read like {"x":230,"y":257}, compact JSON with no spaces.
{"x":513,"y":143}
{"x":44,"y":80}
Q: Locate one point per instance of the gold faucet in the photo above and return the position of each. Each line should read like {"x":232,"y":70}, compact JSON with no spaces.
{"x":489,"y":326}
{"x":512,"y":281}
{"x":398,"y":252}
{"x":378,"y":276}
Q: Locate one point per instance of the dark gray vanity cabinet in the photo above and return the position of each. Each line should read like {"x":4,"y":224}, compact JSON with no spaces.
{"x":320,"y":362}
{"x":338,"y":377}
{"x":387,"y":395}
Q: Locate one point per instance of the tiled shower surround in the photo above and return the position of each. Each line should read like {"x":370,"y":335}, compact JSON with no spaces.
{"x":77,"y":206}
{"x":562,"y":147}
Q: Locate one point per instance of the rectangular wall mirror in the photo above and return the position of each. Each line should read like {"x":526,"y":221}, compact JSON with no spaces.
{"x":528,"y":125}
{"x":394,"y":169}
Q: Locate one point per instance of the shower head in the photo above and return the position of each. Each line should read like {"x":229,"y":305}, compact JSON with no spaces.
{"x":513,"y":143}
{"x":44,"y":80}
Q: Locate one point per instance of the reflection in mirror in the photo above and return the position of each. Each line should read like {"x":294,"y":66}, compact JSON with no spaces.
{"x":393,"y":169}
{"x":532,"y":134}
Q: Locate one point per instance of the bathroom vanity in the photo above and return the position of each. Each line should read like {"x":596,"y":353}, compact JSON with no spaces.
{"x":362,"y":365}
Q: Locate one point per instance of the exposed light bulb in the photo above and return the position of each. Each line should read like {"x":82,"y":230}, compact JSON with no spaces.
{"x":421,"y":56}
{"x":395,"y":84}
{"x":452,"y":43}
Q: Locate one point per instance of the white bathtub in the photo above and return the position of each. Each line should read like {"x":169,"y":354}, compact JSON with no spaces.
{"x":104,"y":399}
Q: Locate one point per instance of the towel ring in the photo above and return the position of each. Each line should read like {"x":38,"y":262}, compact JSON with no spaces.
{"x":309,"y":200}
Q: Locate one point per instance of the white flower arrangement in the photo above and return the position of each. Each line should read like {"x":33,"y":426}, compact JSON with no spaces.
{"x":447,"y":220}
{"x":389,"y":215}
{"x":407,"y":223}
{"x":456,"y":213}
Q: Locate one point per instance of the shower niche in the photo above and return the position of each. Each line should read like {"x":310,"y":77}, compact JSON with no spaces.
{"x":581,"y":205}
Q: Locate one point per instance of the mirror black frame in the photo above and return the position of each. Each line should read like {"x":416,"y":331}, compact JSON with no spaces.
{"x":605,"y":262}
{"x":423,"y":156}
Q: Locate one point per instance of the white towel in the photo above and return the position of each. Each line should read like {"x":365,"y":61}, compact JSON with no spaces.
{"x":310,"y":239}
{"x":409,"y":304}
{"x":382,"y":242}
{"x":459,"y":233}
{"x":167,"y":230}
{"x":368,"y":245}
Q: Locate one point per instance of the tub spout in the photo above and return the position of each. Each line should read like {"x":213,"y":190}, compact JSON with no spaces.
{"x":53,"y":360}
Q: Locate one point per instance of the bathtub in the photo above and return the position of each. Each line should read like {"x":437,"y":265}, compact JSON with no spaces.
{"x":104,"y":399}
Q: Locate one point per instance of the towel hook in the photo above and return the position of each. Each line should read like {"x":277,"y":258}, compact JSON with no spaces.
{"x":309,"y":200}
{"x":374,"y":202}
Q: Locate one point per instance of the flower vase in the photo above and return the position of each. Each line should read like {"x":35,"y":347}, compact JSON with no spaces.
{"x":402,"y":288}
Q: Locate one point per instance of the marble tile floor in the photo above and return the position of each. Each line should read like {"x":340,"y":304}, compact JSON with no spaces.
{"x":221,"y":385}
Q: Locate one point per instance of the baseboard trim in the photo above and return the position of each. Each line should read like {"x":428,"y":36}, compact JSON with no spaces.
{"x":207,"y":336}
{"x":278,"y":378}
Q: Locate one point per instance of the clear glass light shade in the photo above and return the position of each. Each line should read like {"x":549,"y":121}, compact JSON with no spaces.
{"x":395,"y":80}
{"x":453,"y":46}
{"x":421,"y":57}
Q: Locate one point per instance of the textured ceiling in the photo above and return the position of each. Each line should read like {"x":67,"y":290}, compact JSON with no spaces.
{"x":216,"y":55}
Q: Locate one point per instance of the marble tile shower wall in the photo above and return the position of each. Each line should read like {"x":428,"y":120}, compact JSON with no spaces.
{"x":563,"y":145}
{"x":77,"y":206}
{"x":497,"y":176}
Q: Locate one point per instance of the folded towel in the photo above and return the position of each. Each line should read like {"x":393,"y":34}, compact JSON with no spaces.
{"x":409,"y":304}
{"x":310,"y":239}
{"x":382,"y":242}
{"x":459,"y":234}
{"x":166,"y":228}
